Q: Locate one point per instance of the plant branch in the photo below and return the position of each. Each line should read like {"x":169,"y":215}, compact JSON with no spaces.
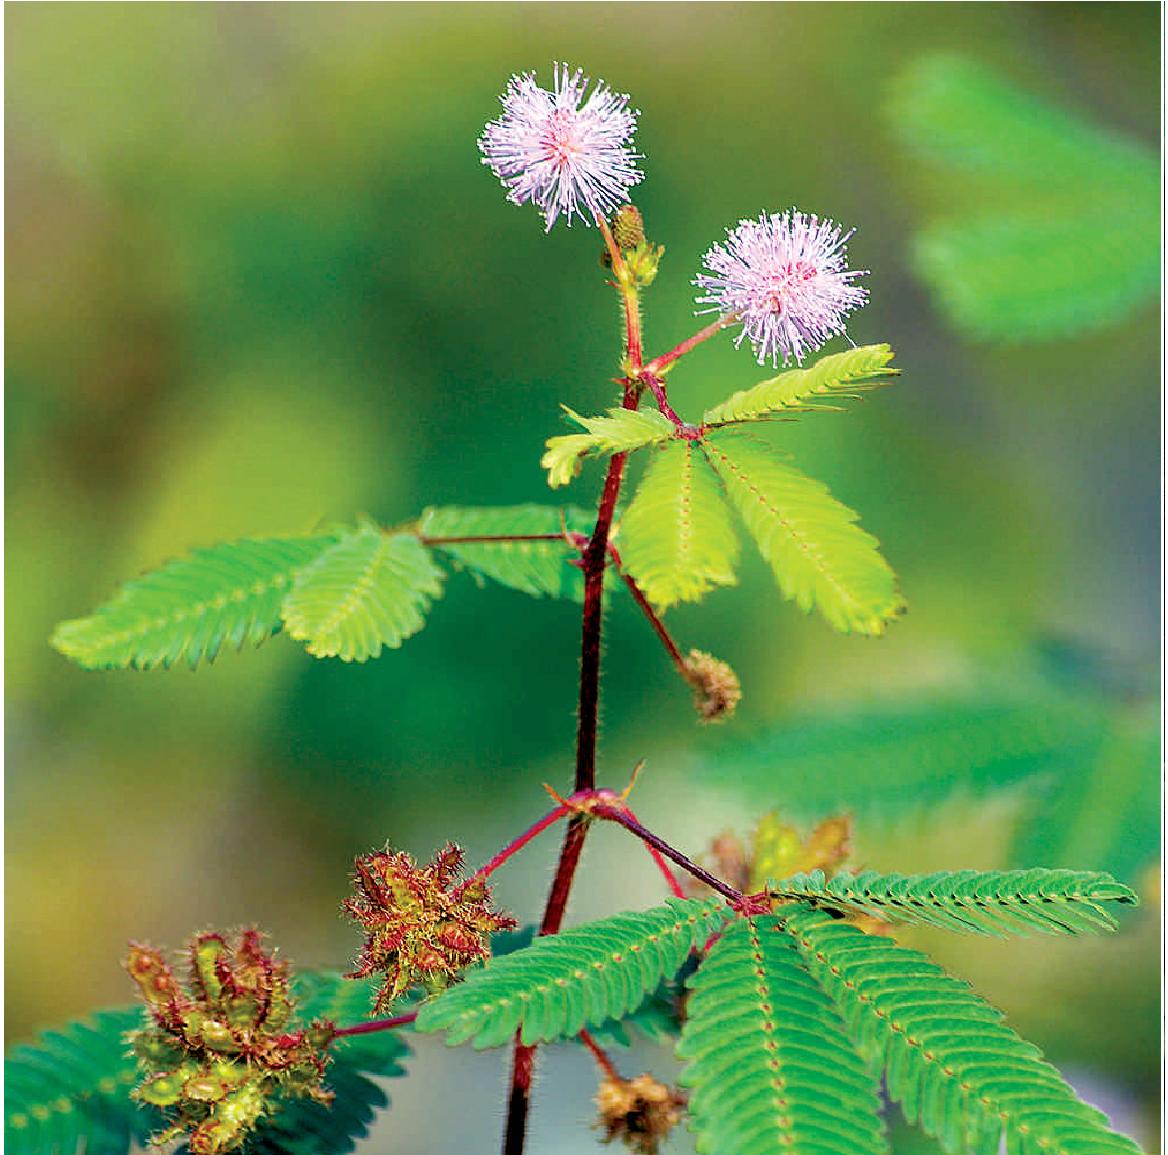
{"x":598,"y":1053}
{"x":650,"y":613}
{"x":594,"y":560}
{"x":372,"y":1025}
{"x":486,"y":539}
{"x":625,"y":817}
{"x":662,"y":364}
{"x":517,"y":844}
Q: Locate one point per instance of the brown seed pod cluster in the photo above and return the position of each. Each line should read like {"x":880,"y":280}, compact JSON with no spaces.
{"x":639,"y":1112}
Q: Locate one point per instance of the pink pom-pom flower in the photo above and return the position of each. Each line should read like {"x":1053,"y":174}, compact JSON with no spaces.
{"x":784,"y":277}
{"x":563,"y":152}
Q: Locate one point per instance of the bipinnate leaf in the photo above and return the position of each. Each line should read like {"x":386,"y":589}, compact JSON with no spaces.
{"x":770,"y":1064}
{"x":537,"y":568}
{"x":837,"y":375}
{"x":368,"y":590}
{"x":677,"y":537}
{"x":227,"y":595}
{"x":947,"y":1056}
{"x":820,"y":557}
{"x":579,"y":978}
{"x":997,"y":902}
{"x":68,"y":1093}
{"x":70,"y":1090}
{"x":621,"y":431}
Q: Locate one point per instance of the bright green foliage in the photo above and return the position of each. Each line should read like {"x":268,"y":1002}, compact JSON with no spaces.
{"x":621,"y":431}
{"x":1079,"y":246}
{"x":990,"y":902}
{"x":189,"y":609}
{"x":534,"y":567}
{"x":578,"y":978}
{"x":819,"y":556}
{"x":947,"y":1057}
{"x":770,"y":1063}
{"x":69,"y":1092}
{"x":371,"y":589}
{"x":677,"y":538}
{"x":837,"y":375}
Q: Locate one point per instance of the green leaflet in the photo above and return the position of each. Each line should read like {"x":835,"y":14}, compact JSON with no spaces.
{"x":948,"y":1059}
{"x":229,"y":594}
{"x":839,"y":374}
{"x":819,"y":556}
{"x":579,"y":978}
{"x":677,"y":540}
{"x":1045,"y":267}
{"x":770,"y":1064}
{"x":69,"y":1092}
{"x":995,"y":902}
{"x":371,"y":589}
{"x":621,"y":431}
{"x":533,"y":567}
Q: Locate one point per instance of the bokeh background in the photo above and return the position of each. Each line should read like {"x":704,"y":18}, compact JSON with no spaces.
{"x":257,"y":279}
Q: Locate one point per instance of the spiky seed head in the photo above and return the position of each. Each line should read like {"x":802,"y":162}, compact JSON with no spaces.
{"x":639,"y":1112}
{"x":716,"y":688}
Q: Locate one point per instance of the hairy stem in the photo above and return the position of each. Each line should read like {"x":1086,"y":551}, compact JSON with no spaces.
{"x":517,"y":844}
{"x":651,"y":614}
{"x":594,"y":560}
{"x":598,"y":1053}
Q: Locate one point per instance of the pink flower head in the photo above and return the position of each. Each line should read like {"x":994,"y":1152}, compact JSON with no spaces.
{"x":784,"y":277}
{"x":563,"y":157}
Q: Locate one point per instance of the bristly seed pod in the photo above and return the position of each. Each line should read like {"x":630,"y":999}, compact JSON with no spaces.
{"x":422,"y":925}
{"x":220,"y":1055}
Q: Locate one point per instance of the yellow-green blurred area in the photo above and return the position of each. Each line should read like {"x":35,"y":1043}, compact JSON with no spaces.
{"x":258,"y":280}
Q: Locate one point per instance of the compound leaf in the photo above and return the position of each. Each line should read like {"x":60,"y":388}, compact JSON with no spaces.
{"x":820,"y":557}
{"x":620,"y":432}
{"x":769,"y":1061}
{"x":839,"y":374}
{"x":229,"y":594}
{"x":70,"y":1090}
{"x":947,"y":1056}
{"x":370,"y":589}
{"x":537,"y":568}
{"x":986,"y":902}
{"x":677,"y":537}
{"x":579,"y":978}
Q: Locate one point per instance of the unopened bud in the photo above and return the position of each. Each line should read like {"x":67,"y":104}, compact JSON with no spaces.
{"x":628,"y":227}
{"x":717,"y":691}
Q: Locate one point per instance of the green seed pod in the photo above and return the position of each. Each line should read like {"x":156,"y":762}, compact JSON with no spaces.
{"x":162,"y":1090}
{"x":628,"y":227}
{"x":204,"y":1090}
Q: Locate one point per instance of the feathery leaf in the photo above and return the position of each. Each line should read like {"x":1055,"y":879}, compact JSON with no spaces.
{"x":995,"y":902}
{"x":838,"y":374}
{"x":677,"y":539}
{"x":229,"y":594}
{"x":948,"y":1058}
{"x":820,"y":557}
{"x":771,"y":1066}
{"x":579,"y":978}
{"x":369,"y":590}
{"x":70,"y":1090}
{"x":621,"y":431}
{"x":533,"y":567}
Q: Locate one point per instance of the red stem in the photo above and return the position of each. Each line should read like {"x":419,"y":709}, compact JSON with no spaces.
{"x":372,"y":1025}
{"x":651,"y":614}
{"x":517,"y":844}
{"x":662,"y":363}
{"x":602,"y":1060}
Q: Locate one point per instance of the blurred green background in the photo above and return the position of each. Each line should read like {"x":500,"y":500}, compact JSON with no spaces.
{"x":258,"y":279}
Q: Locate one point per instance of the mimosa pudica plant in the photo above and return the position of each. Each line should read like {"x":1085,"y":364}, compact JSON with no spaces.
{"x":775,"y":971}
